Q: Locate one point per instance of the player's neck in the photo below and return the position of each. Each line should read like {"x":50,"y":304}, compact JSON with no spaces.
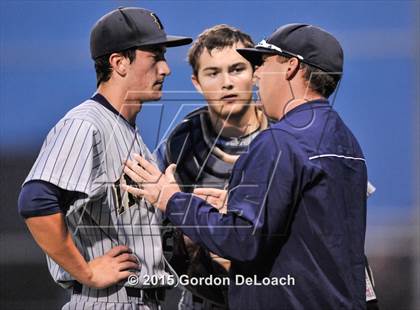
{"x":117,"y":98}
{"x":237,"y":126}
{"x":300,"y":98}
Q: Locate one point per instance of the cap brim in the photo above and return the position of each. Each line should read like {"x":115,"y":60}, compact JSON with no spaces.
{"x":173,"y":41}
{"x":254,"y":55}
{"x":169,"y":41}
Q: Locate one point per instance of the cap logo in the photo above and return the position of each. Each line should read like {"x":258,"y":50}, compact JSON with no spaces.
{"x":156,"y":20}
{"x":265,"y":44}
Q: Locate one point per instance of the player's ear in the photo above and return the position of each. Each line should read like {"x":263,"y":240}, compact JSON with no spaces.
{"x":292,"y":68}
{"x":196,"y":83}
{"x":118,"y":63}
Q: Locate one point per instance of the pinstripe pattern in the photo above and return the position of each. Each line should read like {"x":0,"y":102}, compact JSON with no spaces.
{"x":81,"y":302}
{"x":84,"y":152}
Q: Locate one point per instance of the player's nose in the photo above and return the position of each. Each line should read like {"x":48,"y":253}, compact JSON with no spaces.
{"x":164,"y":68}
{"x":257,"y":73}
{"x":227,"y":82}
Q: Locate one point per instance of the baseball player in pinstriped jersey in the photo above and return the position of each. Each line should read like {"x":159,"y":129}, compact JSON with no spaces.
{"x":102,"y":243}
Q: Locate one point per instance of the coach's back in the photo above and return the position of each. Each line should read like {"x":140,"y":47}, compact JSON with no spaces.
{"x":320,"y":239}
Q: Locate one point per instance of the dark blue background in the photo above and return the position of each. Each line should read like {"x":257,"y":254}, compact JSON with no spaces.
{"x":46,"y":70}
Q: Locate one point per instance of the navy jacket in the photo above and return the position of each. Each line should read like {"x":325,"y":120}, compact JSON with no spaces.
{"x":297,"y":208}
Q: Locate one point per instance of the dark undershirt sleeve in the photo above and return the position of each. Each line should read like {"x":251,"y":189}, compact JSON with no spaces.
{"x":39,"y":198}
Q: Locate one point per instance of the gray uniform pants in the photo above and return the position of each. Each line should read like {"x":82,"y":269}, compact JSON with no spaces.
{"x":114,"y":298}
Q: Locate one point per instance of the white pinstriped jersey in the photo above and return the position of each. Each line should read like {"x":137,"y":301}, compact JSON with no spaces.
{"x":84,"y":152}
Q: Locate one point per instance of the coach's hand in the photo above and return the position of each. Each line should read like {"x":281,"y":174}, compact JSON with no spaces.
{"x":112,"y":267}
{"x":216,"y":197}
{"x":155,"y":186}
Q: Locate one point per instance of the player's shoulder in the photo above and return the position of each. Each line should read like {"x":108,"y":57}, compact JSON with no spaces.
{"x":196,"y":112}
{"x":180,"y":138}
{"x":189,"y":122}
{"x":274,"y":135}
{"x":79,"y":120}
{"x":275,"y":141}
{"x":88,"y":112}
{"x":188,"y":126}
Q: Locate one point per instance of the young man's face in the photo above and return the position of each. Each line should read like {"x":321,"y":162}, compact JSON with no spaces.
{"x":146,"y":74}
{"x":224,"y":78}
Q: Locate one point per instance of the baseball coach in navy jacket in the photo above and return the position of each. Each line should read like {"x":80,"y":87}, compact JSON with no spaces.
{"x":294,"y":221}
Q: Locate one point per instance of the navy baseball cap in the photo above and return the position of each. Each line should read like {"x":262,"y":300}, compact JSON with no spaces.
{"x":311,"y":45}
{"x":130,"y":27}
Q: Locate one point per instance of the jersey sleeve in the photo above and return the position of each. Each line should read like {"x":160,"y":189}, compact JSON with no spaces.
{"x":262,"y":191}
{"x":39,"y":198}
{"x":71,"y":158}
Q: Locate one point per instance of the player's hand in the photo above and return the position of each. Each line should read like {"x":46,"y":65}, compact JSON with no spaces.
{"x":155,"y":186}
{"x":112,"y":267}
{"x":190,"y":246}
{"x":216,"y":197}
{"x":225,"y":263}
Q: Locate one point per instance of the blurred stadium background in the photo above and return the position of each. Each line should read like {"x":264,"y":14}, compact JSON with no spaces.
{"x":46,"y":70}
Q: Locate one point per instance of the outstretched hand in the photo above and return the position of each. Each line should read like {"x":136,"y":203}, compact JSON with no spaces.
{"x":155,"y":186}
{"x":112,"y":267}
{"x":216,"y":197}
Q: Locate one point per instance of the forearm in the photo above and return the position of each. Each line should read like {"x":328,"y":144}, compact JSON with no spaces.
{"x":51,"y":234}
{"x":38,"y":204}
{"x":228,"y":235}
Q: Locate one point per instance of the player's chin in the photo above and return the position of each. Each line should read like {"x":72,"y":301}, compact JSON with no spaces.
{"x":235,"y":107}
{"x":270,"y":112}
{"x":230,"y":109}
{"x":153,"y":96}
{"x":157,"y":92}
